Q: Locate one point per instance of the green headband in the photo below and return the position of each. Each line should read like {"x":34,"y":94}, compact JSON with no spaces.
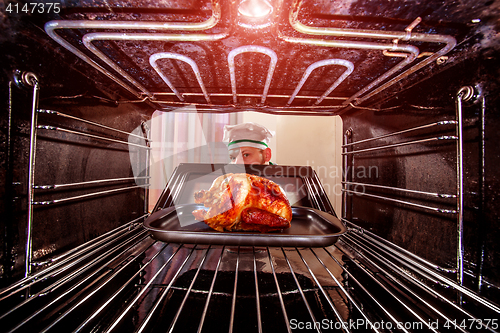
{"x":253,"y":141}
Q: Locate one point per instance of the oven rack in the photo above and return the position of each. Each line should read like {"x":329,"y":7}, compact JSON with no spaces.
{"x":148,"y":285}
{"x":125,"y":281}
{"x":421,"y":269}
{"x":118,"y":184}
{"x":434,"y":299}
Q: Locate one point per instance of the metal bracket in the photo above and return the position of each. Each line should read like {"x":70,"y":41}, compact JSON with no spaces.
{"x":409,"y":28}
{"x":25,"y":80}
{"x":469,"y":94}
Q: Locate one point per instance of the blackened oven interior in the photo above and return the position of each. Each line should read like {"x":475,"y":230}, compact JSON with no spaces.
{"x":69,"y":84}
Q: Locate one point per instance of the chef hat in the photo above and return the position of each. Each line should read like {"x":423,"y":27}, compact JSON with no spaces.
{"x":247,"y":135}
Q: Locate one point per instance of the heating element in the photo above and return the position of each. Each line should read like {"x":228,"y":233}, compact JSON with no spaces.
{"x":401,"y":53}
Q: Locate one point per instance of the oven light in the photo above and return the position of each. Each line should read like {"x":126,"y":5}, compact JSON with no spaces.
{"x":255,"y":8}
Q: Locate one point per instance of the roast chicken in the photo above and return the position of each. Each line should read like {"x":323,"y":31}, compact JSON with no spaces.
{"x":244,"y":202}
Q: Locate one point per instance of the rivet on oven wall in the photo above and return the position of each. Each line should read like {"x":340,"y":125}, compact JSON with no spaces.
{"x":441,"y":60}
{"x":348,"y":133}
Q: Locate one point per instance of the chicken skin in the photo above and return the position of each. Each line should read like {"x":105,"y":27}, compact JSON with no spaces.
{"x":244,"y":202}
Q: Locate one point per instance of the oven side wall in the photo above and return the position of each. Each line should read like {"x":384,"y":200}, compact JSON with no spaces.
{"x":432,"y":167}
{"x":64,"y":158}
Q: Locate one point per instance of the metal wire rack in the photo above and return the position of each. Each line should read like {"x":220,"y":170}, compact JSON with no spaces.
{"x":125,"y":281}
{"x":48,"y":188}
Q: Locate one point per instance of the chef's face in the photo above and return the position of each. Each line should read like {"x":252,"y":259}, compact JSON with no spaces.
{"x":249,"y":155}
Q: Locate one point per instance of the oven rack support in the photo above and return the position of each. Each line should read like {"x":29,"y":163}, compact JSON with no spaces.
{"x":465,"y":94}
{"x":402,"y":261}
{"x":411,"y":277}
{"x":350,"y":187}
{"x":78,"y":268}
{"x":60,"y":264}
{"x":32,"y":188}
{"x":31,"y":174}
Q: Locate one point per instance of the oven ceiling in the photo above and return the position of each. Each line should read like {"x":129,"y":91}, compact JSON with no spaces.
{"x":305,"y":56}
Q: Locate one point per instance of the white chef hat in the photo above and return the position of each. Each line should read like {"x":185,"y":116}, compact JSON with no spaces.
{"x":247,"y":135}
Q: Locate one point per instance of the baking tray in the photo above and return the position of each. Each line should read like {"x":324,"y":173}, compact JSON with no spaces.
{"x":309,"y":227}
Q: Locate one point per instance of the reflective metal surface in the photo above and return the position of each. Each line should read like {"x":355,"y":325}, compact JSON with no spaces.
{"x":309,"y":227}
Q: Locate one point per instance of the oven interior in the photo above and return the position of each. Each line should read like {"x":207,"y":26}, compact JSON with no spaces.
{"x":415,"y":83}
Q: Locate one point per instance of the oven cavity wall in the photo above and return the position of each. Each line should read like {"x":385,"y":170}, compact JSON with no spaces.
{"x":416,"y":149}
{"x":83,"y":180}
